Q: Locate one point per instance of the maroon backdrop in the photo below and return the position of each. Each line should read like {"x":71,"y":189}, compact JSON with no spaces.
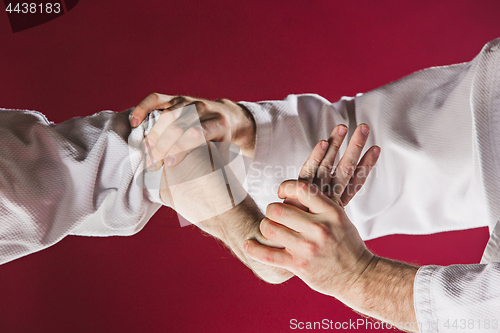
{"x":111,"y":54}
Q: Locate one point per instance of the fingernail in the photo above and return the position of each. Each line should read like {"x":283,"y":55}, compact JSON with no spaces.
{"x":376,"y":151}
{"x":145,"y":146}
{"x":170,"y":159}
{"x":152,"y":164}
{"x":134,"y":121}
{"x":342,"y":130}
{"x":245,"y":245}
{"x":324,"y":144}
{"x":365,"y":129}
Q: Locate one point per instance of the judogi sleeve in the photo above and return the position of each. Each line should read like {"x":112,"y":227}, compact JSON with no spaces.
{"x":78,"y":177}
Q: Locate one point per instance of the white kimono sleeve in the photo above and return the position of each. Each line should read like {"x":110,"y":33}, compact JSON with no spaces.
{"x":466,"y":298}
{"x":78,"y":177}
{"x":287,"y":131}
{"x":439,"y":169}
{"x":458,"y":298}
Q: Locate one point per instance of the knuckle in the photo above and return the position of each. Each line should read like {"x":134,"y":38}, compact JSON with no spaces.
{"x":223,"y":122}
{"x":326,"y":164}
{"x":269,"y":209}
{"x":302,"y":265}
{"x":180,"y":98}
{"x":274,"y":210}
{"x":223,"y":100}
{"x":176,"y":148}
{"x":359,"y":145}
{"x":157,"y":153}
{"x":201,"y":106}
{"x":154,"y":95}
{"x":178,"y":101}
{"x":335,"y":144}
{"x":325,"y":168}
{"x":268,"y":257}
{"x":284,"y":189}
{"x":322,"y":231}
{"x":316,"y":159}
{"x":196,"y":132}
{"x":303,"y":185}
{"x":177,"y":129}
{"x":250,"y":249}
{"x":348,"y":171}
{"x":152,"y":138}
{"x":307,"y":173}
{"x":270,"y":232}
{"x":310,"y":248}
{"x":168,"y":116}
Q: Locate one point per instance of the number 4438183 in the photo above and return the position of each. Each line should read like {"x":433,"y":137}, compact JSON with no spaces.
{"x":33,"y":8}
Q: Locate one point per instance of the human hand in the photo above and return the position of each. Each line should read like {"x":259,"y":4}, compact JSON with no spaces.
{"x":348,"y":178}
{"x":175,"y":134}
{"x":322,"y":246}
{"x":206,"y":192}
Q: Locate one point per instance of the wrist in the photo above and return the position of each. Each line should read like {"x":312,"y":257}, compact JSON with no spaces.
{"x":354,"y":281}
{"x":242,"y":223}
{"x":385,"y":291}
{"x":245,"y":133}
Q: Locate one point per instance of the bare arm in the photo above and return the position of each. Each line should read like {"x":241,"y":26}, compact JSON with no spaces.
{"x":234,"y":227}
{"x":200,"y":194}
{"x":385,"y":291}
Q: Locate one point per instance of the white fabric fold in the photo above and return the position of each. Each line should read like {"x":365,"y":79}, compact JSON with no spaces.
{"x":439,"y":170}
{"x":79,"y":177}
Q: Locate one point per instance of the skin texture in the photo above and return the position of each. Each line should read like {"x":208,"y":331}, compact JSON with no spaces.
{"x":309,"y":234}
{"x":175,"y":135}
{"x":242,"y":222}
{"x":323,"y":248}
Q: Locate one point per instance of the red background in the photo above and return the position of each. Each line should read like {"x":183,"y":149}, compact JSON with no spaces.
{"x":111,"y":54}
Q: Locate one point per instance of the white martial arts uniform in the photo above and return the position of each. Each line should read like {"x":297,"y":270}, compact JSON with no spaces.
{"x":79,"y":177}
{"x":438,"y":171}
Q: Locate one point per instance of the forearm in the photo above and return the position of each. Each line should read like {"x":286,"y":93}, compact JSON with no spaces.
{"x":234,"y":227}
{"x":385,"y":291}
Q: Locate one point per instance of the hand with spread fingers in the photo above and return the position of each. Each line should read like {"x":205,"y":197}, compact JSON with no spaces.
{"x":176,"y":132}
{"x":310,"y":228}
{"x":322,"y":246}
{"x":349,"y":175}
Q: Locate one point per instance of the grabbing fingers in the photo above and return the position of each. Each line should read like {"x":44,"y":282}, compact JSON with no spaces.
{"x":184,"y":129}
{"x":268,"y":255}
{"x":307,"y":194}
{"x":278,"y":233}
{"x":152,"y":102}
{"x":180,"y":127}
